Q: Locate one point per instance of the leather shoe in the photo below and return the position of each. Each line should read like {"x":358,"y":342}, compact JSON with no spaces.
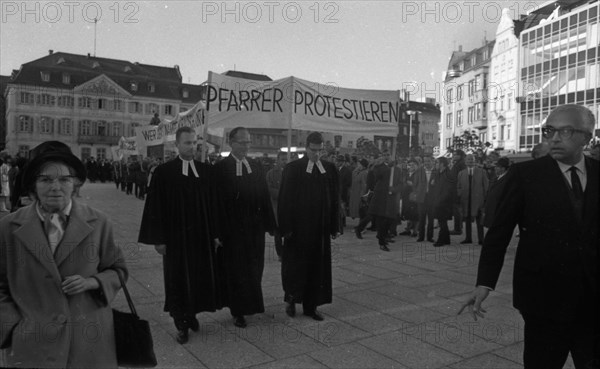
{"x":384,"y":248}
{"x":182,"y":336}
{"x":438,"y":244}
{"x":194,"y":325}
{"x":315,"y":315}
{"x":358,"y":234}
{"x":464,"y":242}
{"x":290,"y":310}
{"x":239,"y":321}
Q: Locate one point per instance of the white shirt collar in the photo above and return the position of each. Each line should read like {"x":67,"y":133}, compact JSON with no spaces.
{"x":238,"y":166}
{"x":41,"y":212}
{"x":185,"y":165}
{"x":580,"y":165}
{"x":311,"y":164}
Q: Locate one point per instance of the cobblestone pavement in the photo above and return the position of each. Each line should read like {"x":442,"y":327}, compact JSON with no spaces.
{"x":390,"y":309}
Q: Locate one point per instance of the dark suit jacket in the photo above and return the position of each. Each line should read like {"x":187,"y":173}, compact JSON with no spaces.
{"x":556,"y":265}
{"x":383,"y":203}
{"x":492,"y":199}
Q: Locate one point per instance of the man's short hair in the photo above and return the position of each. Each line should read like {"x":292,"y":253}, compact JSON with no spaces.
{"x":460,"y":153}
{"x":579,"y":114}
{"x":314,"y":138}
{"x":442,"y":160}
{"x":235,"y":131}
{"x":180,"y":130}
{"x":503,"y":162}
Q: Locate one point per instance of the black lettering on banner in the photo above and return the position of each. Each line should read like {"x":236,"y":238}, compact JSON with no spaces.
{"x":394,"y":112}
{"x":244,"y":97}
{"x":298,"y":100}
{"x":222,"y":98}
{"x":277,"y":97}
{"x":364,"y":105}
{"x":328,"y":106}
{"x":336,"y":108}
{"x":254,"y":100}
{"x":265,"y":100}
{"x":375,"y":110}
{"x":232,"y":102}
{"x":349,"y":108}
{"x":385,"y":114}
{"x":307,"y":104}
{"x":317,"y":105}
{"x":211,"y":96}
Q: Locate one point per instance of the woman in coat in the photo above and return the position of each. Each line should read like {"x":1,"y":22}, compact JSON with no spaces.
{"x":58,"y":273}
{"x":358,"y":188}
{"x":443,"y":193}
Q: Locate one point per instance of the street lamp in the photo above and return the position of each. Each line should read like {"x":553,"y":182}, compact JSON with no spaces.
{"x":411,"y":113}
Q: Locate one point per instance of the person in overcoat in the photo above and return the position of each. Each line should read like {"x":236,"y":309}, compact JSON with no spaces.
{"x":443,"y":190}
{"x":58,"y":273}
{"x":358,"y":188}
{"x":494,"y":195}
{"x":472,"y":186}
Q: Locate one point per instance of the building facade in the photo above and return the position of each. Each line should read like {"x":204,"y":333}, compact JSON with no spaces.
{"x":503,"y":87}
{"x":89,"y":103}
{"x":465,"y":104}
{"x":559,"y":64}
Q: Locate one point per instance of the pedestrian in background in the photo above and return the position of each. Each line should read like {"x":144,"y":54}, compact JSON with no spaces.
{"x":494,"y":195}
{"x":358,"y":189}
{"x":425,"y":208}
{"x":472,"y":186}
{"x":444,"y":190}
{"x":274,"y":183}
{"x":458,"y":164}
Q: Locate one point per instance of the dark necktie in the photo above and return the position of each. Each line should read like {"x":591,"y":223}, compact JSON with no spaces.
{"x":470,"y":183}
{"x":577,"y":191}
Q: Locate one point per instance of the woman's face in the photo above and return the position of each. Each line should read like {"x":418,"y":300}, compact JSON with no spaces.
{"x":54,"y":186}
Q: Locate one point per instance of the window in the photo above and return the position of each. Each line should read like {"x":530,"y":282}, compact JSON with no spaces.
{"x":65,"y":101}
{"x":118,"y":105}
{"x":449,"y":120}
{"x":186,"y":93}
{"x":473,"y":60}
{"x":85,"y":102}
{"x":85,"y":128}
{"x":485,"y":81}
{"x":151,"y":87}
{"x":65,"y":127}
{"x":168,"y":109}
{"x":95,"y":65}
{"x":459,"y":118}
{"x":132,"y":126}
{"x":101,"y":128}
{"x":46,"y":125}
{"x":117,"y":129}
{"x":448,"y":142}
{"x":484,"y":110}
{"x":477,"y":111}
{"x":494,"y":133}
{"x":459,"y":93}
{"x":24,"y":150}
{"x":86,"y":153}
{"x":471,"y":117}
{"x":26,"y":98}
{"x":101,"y":153}
{"x":471,"y":90}
{"x":152,"y":108}
{"x":135,"y":107}
{"x":45,"y":76}
{"x":509,"y":102}
{"x":102,"y":105}
{"x":478,"y":82}
{"x":66,"y":78}
{"x":449,"y":95}
{"x":45,"y":99}
{"x":133,"y":86}
{"x":24,"y":123}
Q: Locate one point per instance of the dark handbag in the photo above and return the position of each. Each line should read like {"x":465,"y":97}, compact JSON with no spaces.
{"x":133,"y":338}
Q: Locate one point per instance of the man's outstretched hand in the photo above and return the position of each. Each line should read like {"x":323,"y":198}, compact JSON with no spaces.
{"x":473,"y":303}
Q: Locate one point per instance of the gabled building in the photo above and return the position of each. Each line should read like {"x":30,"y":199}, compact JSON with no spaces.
{"x":89,"y":102}
{"x":465,"y":101}
{"x":3,"y":83}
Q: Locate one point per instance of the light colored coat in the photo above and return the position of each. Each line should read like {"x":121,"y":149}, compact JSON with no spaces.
{"x":479,"y":188}
{"x":357,"y":190}
{"x":41,"y":326}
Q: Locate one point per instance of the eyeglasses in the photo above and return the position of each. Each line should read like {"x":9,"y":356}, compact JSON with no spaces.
{"x":565,"y":132}
{"x":243,"y":142}
{"x":49,"y":180}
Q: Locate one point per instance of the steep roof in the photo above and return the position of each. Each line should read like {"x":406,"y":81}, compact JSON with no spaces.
{"x":4,"y":80}
{"x":458,"y":56}
{"x":246,"y":75}
{"x":166,"y":81}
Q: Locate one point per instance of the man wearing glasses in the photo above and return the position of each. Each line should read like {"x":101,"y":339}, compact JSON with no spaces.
{"x":246,"y":214}
{"x":554,"y":200}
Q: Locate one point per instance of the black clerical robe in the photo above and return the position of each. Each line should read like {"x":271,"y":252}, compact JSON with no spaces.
{"x":180,"y":211}
{"x":246,"y":214}
{"x":308,"y":215}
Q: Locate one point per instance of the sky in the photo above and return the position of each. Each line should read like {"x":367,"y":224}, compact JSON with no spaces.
{"x":379,"y":45}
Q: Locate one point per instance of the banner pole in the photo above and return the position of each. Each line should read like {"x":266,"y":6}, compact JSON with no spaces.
{"x":289,"y":132}
{"x":205,"y":122}
{"x":396,"y":143}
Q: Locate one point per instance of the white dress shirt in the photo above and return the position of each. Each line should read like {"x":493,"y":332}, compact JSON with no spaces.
{"x":238,"y":166}
{"x":186,"y":164}
{"x":581,"y":172}
{"x":311,"y":164}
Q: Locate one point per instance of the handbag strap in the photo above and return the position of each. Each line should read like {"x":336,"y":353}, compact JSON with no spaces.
{"x":126,"y":292}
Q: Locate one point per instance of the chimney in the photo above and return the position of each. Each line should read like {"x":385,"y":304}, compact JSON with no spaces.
{"x":50,"y":52}
{"x":460,"y":48}
{"x":88,"y":55}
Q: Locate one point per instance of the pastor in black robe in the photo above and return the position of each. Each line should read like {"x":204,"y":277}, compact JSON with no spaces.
{"x":180,"y":212}
{"x":308,"y":213}
{"x":246,"y":214}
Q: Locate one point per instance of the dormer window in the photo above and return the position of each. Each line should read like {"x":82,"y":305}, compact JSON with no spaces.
{"x":474,"y":60}
{"x":133,"y":86}
{"x":151,"y":87}
{"x":45,"y":76}
{"x":127,"y":69}
{"x":95,"y":65}
{"x":66,"y":78}
{"x":186,"y":93}
{"x":60,"y":60}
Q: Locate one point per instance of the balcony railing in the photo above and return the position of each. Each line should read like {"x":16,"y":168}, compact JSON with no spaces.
{"x":96,"y":139}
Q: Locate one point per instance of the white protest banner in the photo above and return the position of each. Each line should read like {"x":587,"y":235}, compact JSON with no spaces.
{"x":128,"y":145}
{"x":149,"y":136}
{"x":298,"y":104}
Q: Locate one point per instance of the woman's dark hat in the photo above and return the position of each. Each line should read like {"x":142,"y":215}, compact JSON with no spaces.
{"x":51,"y":151}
